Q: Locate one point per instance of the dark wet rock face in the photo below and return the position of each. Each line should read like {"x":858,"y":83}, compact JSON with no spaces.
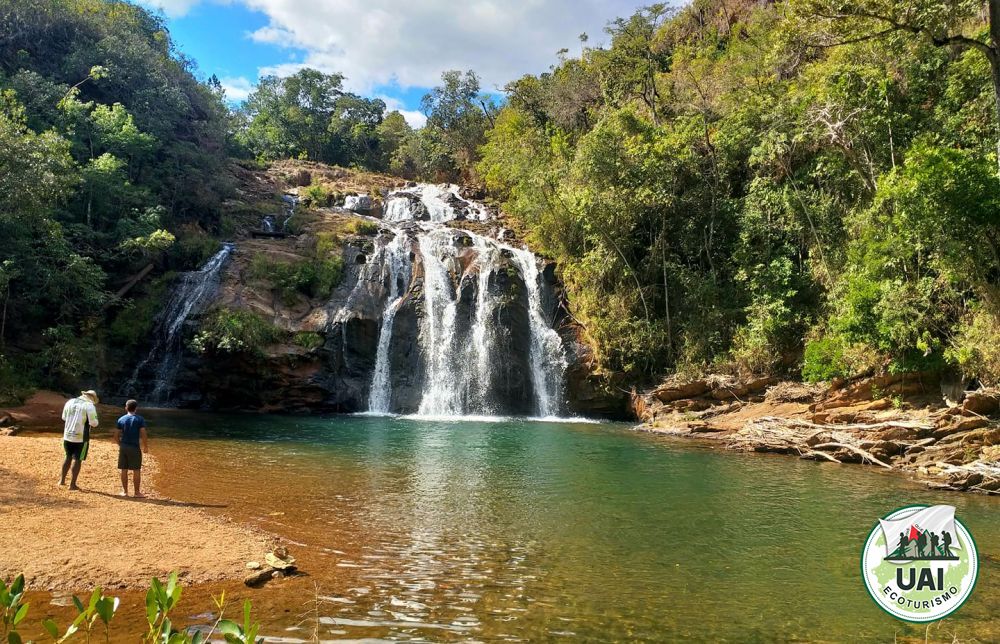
{"x":512,"y":377}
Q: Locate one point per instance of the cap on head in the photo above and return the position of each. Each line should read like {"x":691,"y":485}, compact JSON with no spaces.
{"x":91,"y":395}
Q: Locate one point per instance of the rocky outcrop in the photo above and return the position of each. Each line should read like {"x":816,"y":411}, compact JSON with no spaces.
{"x":907,"y":427}
{"x":334,"y":371}
{"x":359,"y":203}
{"x":678,"y":395}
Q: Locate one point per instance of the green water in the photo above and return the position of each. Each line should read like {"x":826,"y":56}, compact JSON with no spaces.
{"x":538,"y":531}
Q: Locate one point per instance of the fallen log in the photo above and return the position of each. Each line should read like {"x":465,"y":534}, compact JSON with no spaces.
{"x":135,"y":279}
{"x":857,"y":450}
{"x":813,"y":454}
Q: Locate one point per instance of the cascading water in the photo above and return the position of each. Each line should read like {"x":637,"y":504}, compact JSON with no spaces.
{"x":189,"y":296}
{"x":443,"y":387}
{"x":436,"y":203}
{"x":397,"y":271}
{"x":291,"y":201}
{"x":548,"y":359}
{"x":461,"y":346}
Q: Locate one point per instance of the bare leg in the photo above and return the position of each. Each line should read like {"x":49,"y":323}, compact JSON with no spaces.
{"x":76,"y":473}
{"x":124,"y":474}
{"x":65,"y":470}
{"x":136,"y":480}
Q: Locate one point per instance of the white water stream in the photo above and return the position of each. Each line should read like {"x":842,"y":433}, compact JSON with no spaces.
{"x":460,"y":355}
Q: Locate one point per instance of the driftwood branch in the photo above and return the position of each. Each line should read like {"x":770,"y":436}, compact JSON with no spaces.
{"x":857,"y":450}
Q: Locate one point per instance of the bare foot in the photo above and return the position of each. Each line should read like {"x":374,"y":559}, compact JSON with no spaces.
{"x":140,"y":496}
{"x":73,"y":488}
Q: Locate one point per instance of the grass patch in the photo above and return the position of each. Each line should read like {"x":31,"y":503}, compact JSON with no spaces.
{"x":361,"y":227}
{"x":308,"y":340}
{"x":315,"y":278}
{"x":236,"y":331}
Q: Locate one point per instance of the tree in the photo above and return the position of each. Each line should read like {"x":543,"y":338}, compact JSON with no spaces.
{"x":286,"y":117}
{"x":630,"y":68}
{"x":944,"y":23}
{"x":392,"y":133}
{"x":353,"y":128}
{"x":460,"y":114}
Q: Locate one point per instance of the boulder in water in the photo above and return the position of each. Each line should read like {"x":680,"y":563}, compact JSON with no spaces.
{"x":358,"y":203}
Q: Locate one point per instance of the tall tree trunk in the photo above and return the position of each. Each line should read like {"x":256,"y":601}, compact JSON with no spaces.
{"x":994,"y":57}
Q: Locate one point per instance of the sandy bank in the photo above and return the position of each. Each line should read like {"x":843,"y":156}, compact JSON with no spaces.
{"x":74,"y":540}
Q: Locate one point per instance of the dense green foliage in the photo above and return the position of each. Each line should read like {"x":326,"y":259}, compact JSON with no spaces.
{"x":309,"y":116}
{"x":312,"y":277}
{"x":235,"y":331}
{"x":753,"y":187}
{"x":741,"y":184}
{"x":108,"y":147}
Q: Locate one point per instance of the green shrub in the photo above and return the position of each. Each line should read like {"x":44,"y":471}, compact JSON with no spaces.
{"x":161,"y":600}
{"x":67,"y":357}
{"x":192,"y":250}
{"x":310,"y":277}
{"x":236,"y":331}
{"x":308,"y":340}
{"x":317,"y":194}
{"x":976,"y":347}
{"x":16,"y":380}
{"x":135,"y":319}
{"x":362,"y":227}
{"x":824,"y":359}
{"x":227,"y":226}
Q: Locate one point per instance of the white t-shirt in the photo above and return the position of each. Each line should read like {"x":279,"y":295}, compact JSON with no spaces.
{"x":75,"y":413}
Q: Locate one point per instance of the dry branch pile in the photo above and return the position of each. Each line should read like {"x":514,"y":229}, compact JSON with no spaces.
{"x":951,"y":451}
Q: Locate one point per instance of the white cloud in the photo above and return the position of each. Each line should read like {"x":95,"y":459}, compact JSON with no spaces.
{"x":415,"y":118}
{"x":237,"y":89}
{"x":407,"y":42}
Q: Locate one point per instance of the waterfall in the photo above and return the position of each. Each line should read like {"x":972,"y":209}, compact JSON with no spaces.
{"x":467,"y":281}
{"x":480,"y":352}
{"x":291,"y":201}
{"x":548,"y":359}
{"x":192,"y":291}
{"x":396,"y":270}
{"x":443,"y":387}
{"x":438,"y":203}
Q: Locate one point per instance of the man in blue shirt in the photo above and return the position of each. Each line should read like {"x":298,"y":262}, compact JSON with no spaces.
{"x":130,"y":434}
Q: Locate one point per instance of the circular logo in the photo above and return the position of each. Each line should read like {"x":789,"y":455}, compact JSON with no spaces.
{"x":920,"y":563}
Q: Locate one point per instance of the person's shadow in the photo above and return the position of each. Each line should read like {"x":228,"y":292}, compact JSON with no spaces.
{"x":152,"y":501}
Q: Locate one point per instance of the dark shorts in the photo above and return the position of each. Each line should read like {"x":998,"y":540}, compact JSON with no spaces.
{"x":76,"y":451}
{"x":129,"y":457}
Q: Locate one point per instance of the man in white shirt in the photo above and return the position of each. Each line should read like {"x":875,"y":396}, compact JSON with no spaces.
{"x":79,"y":414}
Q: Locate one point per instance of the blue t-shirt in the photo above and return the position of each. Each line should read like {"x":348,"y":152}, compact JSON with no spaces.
{"x":130,"y":424}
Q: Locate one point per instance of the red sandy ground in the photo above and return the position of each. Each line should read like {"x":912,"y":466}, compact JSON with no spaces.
{"x":75,"y":540}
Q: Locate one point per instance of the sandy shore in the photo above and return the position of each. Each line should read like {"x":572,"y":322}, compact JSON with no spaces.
{"x":70,"y":540}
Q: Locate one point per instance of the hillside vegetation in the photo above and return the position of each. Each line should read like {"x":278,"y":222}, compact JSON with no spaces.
{"x":111,"y":156}
{"x":757,"y":187}
{"x":805,"y":187}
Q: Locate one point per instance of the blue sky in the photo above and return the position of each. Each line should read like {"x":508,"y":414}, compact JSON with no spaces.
{"x":394,"y":49}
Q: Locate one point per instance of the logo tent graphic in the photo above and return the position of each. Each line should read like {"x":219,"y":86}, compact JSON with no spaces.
{"x":928,"y":534}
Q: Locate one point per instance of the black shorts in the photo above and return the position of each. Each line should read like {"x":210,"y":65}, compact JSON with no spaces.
{"x":129,"y":457}
{"x":75,"y":450}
